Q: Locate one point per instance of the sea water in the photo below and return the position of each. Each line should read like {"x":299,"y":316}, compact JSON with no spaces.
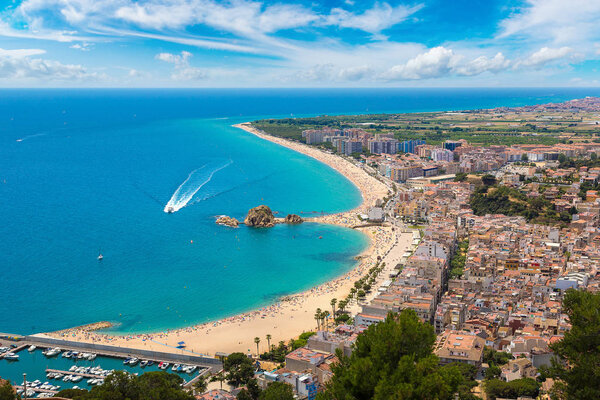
{"x":90,"y":171}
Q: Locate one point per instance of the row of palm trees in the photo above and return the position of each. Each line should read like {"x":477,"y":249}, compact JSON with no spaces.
{"x":257,"y":341}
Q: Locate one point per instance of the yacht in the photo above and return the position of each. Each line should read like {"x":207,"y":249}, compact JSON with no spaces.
{"x":92,"y":357}
{"x":32,"y":347}
{"x":76,"y":378}
{"x":11,"y":356}
{"x":134,"y":361}
{"x":52,"y":352}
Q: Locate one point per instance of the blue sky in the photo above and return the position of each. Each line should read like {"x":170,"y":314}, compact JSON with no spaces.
{"x":298,"y":43}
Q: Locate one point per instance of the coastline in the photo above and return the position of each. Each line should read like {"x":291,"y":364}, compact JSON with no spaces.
{"x":293,"y":314}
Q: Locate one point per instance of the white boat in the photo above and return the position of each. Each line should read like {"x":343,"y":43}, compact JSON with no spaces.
{"x":11,"y":356}
{"x":133,"y":361}
{"x":92,"y":357}
{"x":52,"y":352}
{"x":170,"y":210}
{"x":76,"y":378}
{"x":32,"y":347}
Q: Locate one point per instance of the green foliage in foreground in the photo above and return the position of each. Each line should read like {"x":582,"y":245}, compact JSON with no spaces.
{"x":495,"y":388}
{"x":578,"y":364}
{"x":394,"y":360}
{"x":157,"y":385}
{"x":7,"y":392}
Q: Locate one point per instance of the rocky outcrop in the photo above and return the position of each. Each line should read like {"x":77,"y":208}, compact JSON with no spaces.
{"x":260,"y":217}
{"x":227,"y":221}
{"x":293,"y":219}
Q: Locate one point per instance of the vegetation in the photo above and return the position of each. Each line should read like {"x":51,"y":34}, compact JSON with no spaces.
{"x":277,"y":353}
{"x":457,"y":263}
{"x":509,"y":201}
{"x":239,"y":369}
{"x":460,"y":177}
{"x":394,"y":360}
{"x":277,"y":391}
{"x":7,"y":392}
{"x":121,"y":385}
{"x":495,"y":388}
{"x":577,"y":366}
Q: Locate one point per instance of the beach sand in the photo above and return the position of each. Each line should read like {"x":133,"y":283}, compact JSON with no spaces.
{"x":293,"y":315}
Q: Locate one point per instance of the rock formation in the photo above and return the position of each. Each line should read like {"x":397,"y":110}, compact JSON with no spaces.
{"x":228,"y":221}
{"x":293,"y":219}
{"x":260,"y":217}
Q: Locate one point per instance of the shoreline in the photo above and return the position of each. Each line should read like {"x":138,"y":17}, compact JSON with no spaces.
{"x":237,"y":332}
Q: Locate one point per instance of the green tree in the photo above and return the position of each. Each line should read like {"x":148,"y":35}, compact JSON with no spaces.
{"x":333,"y":302}
{"x":495,"y":388}
{"x":393,"y":360}
{"x":268,"y":342}
{"x":460,"y":177}
{"x":488,"y":180}
{"x":239,"y":369}
{"x":257,"y":341}
{"x":318,"y":318}
{"x":578,"y":353}
{"x":277,"y":391}
{"x":7,"y":392}
{"x":201,"y":384}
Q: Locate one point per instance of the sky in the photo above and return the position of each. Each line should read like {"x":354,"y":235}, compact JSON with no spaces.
{"x":298,"y":43}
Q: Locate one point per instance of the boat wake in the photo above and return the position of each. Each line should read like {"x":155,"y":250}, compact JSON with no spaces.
{"x":194,"y":182}
{"x":31,"y":136}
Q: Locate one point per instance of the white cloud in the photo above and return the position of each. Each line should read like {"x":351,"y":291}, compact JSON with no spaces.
{"x":435,"y":63}
{"x":562,"y":21}
{"x":373,"y":20}
{"x":18,"y":64}
{"x":82,"y":46}
{"x":544,"y":56}
{"x":182,"y":70}
{"x":483,"y":64}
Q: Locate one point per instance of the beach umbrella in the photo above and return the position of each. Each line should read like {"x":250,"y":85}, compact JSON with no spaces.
{"x":181,"y":343}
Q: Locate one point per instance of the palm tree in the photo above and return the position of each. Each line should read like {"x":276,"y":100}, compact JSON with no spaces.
{"x":220,"y":377}
{"x":318,"y":318}
{"x":342,"y":305}
{"x":269,"y":341}
{"x":324,"y":316}
{"x":333,"y":303}
{"x":257,"y":341}
{"x":352,"y":291}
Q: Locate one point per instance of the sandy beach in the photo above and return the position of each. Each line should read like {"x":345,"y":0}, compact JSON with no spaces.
{"x":292,"y":315}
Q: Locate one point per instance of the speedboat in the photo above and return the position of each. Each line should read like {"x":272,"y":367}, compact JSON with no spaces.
{"x":150,"y":363}
{"x":170,"y":210}
{"x":32,"y":347}
{"x":76,"y":378}
{"x":126,"y":361}
{"x":11,"y":356}
{"x":175,"y":367}
{"x":92,"y":357}
{"x":163,"y":365}
{"x":143,"y":363}
{"x":134,"y":361}
{"x":52,"y":352}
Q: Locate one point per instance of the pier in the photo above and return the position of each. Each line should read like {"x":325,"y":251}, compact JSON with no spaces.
{"x":37,"y":390}
{"x":90,"y":376}
{"x":15,"y":350}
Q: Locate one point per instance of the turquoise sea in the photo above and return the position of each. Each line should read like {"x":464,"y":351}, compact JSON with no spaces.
{"x":84,"y":171}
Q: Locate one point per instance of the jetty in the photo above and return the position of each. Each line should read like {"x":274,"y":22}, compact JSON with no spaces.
{"x":90,"y":376}
{"x":35,"y":389}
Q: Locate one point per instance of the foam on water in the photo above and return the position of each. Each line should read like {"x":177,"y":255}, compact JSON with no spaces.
{"x":194,"y":182}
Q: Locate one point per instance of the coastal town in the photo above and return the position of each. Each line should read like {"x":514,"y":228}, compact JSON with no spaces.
{"x":481,"y":241}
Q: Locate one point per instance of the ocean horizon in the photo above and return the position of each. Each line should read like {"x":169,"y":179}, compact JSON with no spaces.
{"x":92,"y":171}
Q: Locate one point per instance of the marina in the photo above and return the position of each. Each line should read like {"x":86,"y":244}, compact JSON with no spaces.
{"x":50,"y":369}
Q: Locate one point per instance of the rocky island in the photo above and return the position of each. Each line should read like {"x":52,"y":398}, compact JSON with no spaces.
{"x":227,"y":221}
{"x":260,"y":217}
{"x":293,"y":219}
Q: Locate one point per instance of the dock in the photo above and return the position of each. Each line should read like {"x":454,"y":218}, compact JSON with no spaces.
{"x":37,"y":390}
{"x":15,"y":350}
{"x":91,"y":376}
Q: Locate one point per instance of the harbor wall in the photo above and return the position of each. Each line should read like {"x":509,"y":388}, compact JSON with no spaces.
{"x":214,"y":364}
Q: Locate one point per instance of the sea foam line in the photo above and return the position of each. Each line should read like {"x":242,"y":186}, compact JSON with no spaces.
{"x":186,"y":191}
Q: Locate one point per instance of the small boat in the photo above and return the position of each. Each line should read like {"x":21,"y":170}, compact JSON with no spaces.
{"x":100,"y":257}
{"x":175,"y":367}
{"x":11,"y":356}
{"x":150,"y":363}
{"x":170,"y":210}
{"x":134,"y":361}
{"x":32,"y":348}
{"x":53,"y":352}
{"x":126,"y":361}
{"x":92,"y":357}
{"x":143,"y":363}
{"x":76,"y":378}
{"x":73,"y":368}
{"x":163,"y":365}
